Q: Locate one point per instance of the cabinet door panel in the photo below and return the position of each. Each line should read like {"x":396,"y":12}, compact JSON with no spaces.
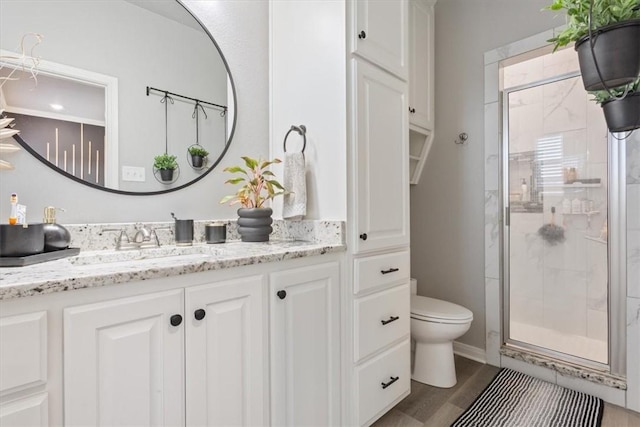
{"x":382,"y":138}
{"x":305,"y":346}
{"x":380,"y":34}
{"x":226,"y":353}
{"x":123,"y":362}
{"x":32,"y":411}
{"x":421,"y":65}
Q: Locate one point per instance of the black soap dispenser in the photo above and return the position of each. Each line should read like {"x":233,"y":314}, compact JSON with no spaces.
{"x":56,"y":237}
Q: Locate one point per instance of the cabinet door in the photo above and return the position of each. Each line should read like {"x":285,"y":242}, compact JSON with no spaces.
{"x":305,"y":346}
{"x":29,"y":411}
{"x":123,"y":362}
{"x":382,"y":160}
{"x":226,"y":357}
{"x":421,"y":45}
{"x":380,"y":34}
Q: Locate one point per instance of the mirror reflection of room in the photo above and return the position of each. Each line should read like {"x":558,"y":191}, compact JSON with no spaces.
{"x":91,"y":90}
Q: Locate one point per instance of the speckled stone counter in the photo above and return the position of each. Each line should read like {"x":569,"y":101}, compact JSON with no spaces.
{"x":108,"y":267}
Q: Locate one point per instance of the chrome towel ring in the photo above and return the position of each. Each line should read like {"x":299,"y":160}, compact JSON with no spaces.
{"x":302,"y":130}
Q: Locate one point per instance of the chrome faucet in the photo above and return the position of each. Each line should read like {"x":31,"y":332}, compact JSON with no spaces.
{"x":145,"y":237}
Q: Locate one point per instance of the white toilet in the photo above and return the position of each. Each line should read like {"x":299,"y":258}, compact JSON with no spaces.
{"x":434,"y":326}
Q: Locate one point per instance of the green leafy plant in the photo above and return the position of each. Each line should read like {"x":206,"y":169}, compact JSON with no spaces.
{"x":603,"y":95}
{"x":196,"y":150}
{"x":259,"y":184}
{"x":604,"y":12}
{"x":165,"y":161}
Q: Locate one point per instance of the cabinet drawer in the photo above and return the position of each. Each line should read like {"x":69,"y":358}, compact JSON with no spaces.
{"x":23,"y":351}
{"x":30,"y":411}
{"x":372,"y":381}
{"x":379,"y":270}
{"x":380,"y":319}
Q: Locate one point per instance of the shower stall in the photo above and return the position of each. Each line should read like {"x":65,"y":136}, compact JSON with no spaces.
{"x":555,"y":191}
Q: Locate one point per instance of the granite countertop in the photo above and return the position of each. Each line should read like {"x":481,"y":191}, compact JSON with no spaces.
{"x":102,"y":268}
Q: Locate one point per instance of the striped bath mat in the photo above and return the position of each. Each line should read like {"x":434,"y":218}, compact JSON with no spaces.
{"x":514,"y":399}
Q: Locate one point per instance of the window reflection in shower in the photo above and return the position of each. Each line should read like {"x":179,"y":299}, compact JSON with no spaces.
{"x":556,"y":173}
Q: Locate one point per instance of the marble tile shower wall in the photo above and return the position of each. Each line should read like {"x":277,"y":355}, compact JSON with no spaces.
{"x":564,"y":286}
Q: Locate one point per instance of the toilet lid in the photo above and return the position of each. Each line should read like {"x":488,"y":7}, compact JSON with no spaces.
{"x":431,"y":308}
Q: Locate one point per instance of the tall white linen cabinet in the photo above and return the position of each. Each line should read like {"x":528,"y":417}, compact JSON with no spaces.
{"x":365,"y":94}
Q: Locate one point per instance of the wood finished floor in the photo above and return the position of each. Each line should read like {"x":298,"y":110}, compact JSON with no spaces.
{"x":434,"y":407}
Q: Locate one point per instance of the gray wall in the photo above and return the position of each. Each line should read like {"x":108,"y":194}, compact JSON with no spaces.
{"x":447,"y":206}
{"x":241,"y":30}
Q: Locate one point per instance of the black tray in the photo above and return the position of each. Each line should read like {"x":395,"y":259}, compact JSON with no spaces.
{"x":37,"y":258}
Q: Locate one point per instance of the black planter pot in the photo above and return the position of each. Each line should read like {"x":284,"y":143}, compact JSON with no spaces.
{"x":166,"y":174}
{"x":197,"y":161}
{"x":254,"y":224}
{"x":617,"y":52}
{"x":623,"y":115}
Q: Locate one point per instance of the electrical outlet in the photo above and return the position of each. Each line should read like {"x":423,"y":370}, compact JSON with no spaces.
{"x":133,"y":173}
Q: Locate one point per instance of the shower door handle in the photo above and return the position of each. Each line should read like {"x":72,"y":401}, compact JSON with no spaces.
{"x":507,"y":216}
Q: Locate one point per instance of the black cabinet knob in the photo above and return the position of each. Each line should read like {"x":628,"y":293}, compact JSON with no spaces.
{"x":362,"y":35}
{"x":199,"y":314}
{"x":281,"y":294}
{"x":175,"y":320}
{"x":412,"y":110}
{"x":363,"y":236}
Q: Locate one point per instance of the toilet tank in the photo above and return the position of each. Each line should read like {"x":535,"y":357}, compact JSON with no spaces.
{"x":414,"y":286}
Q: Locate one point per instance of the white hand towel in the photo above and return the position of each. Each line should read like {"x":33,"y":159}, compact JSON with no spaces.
{"x":294,"y":205}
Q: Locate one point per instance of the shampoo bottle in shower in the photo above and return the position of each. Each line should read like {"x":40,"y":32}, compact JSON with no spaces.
{"x":525,"y":191}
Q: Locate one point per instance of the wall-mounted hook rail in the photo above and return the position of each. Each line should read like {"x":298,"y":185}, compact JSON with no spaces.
{"x":302,"y":130}
{"x":197,"y":101}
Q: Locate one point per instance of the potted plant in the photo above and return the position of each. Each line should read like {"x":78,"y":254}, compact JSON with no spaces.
{"x":198,"y":155}
{"x":258,"y":186}
{"x":607,"y":38}
{"x":166,"y":164}
{"x":621,"y":113}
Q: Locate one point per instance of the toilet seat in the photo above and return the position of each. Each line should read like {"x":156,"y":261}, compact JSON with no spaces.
{"x":438,"y":311}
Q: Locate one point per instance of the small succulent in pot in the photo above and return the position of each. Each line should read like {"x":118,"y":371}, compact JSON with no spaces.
{"x":198,"y":155}
{"x":166,"y":164}
{"x":259,"y":186}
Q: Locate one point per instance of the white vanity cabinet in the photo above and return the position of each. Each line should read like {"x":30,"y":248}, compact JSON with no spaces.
{"x":379,"y":34}
{"x":124,"y":361}
{"x":215,"y":348}
{"x":305,"y":346}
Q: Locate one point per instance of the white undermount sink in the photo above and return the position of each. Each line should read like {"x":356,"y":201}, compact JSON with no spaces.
{"x":109,"y":256}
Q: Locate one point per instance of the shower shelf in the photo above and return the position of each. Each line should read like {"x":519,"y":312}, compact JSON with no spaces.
{"x":577,"y":185}
{"x":583,"y":213}
{"x":596,"y":239}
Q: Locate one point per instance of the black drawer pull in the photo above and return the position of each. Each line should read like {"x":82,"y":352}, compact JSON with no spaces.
{"x":363,"y":236}
{"x":393,"y":380}
{"x":362,"y":35}
{"x":391,"y":319}
{"x":391,"y":270}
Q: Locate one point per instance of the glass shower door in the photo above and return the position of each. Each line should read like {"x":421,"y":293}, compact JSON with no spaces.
{"x":555,"y":190}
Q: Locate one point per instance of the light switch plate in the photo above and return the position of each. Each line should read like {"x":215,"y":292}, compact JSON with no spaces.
{"x":133,"y":173}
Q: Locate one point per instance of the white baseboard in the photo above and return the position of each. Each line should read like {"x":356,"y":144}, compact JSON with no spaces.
{"x":470,"y":352}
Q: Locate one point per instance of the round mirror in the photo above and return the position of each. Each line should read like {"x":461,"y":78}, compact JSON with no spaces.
{"x":113,"y":93}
